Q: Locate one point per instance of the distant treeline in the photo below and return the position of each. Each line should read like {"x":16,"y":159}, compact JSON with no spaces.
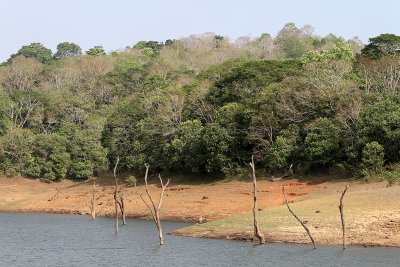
{"x":204,"y":104}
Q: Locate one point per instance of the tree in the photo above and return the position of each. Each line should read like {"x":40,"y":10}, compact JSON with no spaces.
{"x":67,"y":49}
{"x":36,"y":51}
{"x":87,"y":154}
{"x":380,"y":122}
{"x":341,"y":51}
{"x":155,"y":46}
{"x":171,"y":108}
{"x":23,"y":106}
{"x":381,"y":75}
{"x":241,"y":79}
{"x":5,"y":102}
{"x":280,"y":152}
{"x":218,"y":150}
{"x":323,"y":91}
{"x":322,"y":143}
{"x":126,"y":74}
{"x":96,"y":51}
{"x":382,"y":45}
{"x":20,"y":74}
{"x":294,"y":42}
{"x":373,"y":156}
{"x":186,"y":152}
{"x":49,"y":158}
{"x":15,"y":148}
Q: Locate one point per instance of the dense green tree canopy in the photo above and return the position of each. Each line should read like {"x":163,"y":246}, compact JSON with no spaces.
{"x":203,"y":104}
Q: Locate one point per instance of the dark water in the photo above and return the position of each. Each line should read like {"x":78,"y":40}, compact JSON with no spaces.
{"x":64,"y":240}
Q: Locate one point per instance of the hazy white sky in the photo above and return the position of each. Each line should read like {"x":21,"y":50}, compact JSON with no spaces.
{"x":117,"y":23}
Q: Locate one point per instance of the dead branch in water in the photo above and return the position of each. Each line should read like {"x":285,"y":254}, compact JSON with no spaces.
{"x":154,"y":210}
{"x":122,"y":208}
{"x":257,"y":232}
{"x":116,"y":194}
{"x":93,"y":202}
{"x":297,"y":218}
{"x":341,"y":207}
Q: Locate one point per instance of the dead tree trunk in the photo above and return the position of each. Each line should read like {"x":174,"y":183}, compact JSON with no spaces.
{"x":122,"y":208}
{"x":151,"y":206}
{"x":257,"y":232}
{"x":93,"y":202}
{"x":116,"y":194}
{"x":298,"y":219}
{"x":341,"y":207}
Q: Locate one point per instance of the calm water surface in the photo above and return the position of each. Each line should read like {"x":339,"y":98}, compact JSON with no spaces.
{"x":65,"y":240}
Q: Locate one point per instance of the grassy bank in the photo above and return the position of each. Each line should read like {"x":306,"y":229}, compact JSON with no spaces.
{"x":372,"y":215}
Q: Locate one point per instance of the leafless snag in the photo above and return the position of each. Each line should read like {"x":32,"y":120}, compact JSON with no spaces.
{"x":122,"y":208}
{"x":116,"y":194}
{"x":342,"y":216}
{"x":93,"y":202}
{"x":257,"y":232}
{"x":298,"y":219}
{"x":151,"y":206}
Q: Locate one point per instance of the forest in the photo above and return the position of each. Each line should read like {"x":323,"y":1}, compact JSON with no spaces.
{"x":204,"y":104}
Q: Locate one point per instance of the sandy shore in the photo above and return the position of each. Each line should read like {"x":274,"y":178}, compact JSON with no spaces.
{"x":372,"y":210}
{"x":183,"y":201}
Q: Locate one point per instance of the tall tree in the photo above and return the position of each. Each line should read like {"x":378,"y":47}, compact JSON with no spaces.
{"x":382,"y":45}
{"x":36,"y":51}
{"x":96,"y":51}
{"x":67,"y":49}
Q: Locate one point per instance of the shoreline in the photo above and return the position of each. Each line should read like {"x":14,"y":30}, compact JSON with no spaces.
{"x":372,"y":211}
{"x":238,"y":237}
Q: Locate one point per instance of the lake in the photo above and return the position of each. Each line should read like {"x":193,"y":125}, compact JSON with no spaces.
{"x":69,"y":240}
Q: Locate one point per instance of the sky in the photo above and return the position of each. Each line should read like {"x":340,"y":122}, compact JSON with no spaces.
{"x":116,"y":24}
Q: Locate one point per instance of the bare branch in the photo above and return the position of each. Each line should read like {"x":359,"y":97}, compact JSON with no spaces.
{"x":155,"y":211}
{"x":257,"y":232}
{"x":298,"y":219}
{"x":115,"y":194}
{"x":162,"y":191}
{"x":341,"y":208}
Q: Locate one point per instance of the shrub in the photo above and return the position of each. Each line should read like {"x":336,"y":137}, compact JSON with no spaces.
{"x":81,"y":170}
{"x":131,"y":180}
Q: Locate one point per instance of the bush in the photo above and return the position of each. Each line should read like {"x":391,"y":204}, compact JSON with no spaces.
{"x":131,"y":180}
{"x":391,"y":174}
